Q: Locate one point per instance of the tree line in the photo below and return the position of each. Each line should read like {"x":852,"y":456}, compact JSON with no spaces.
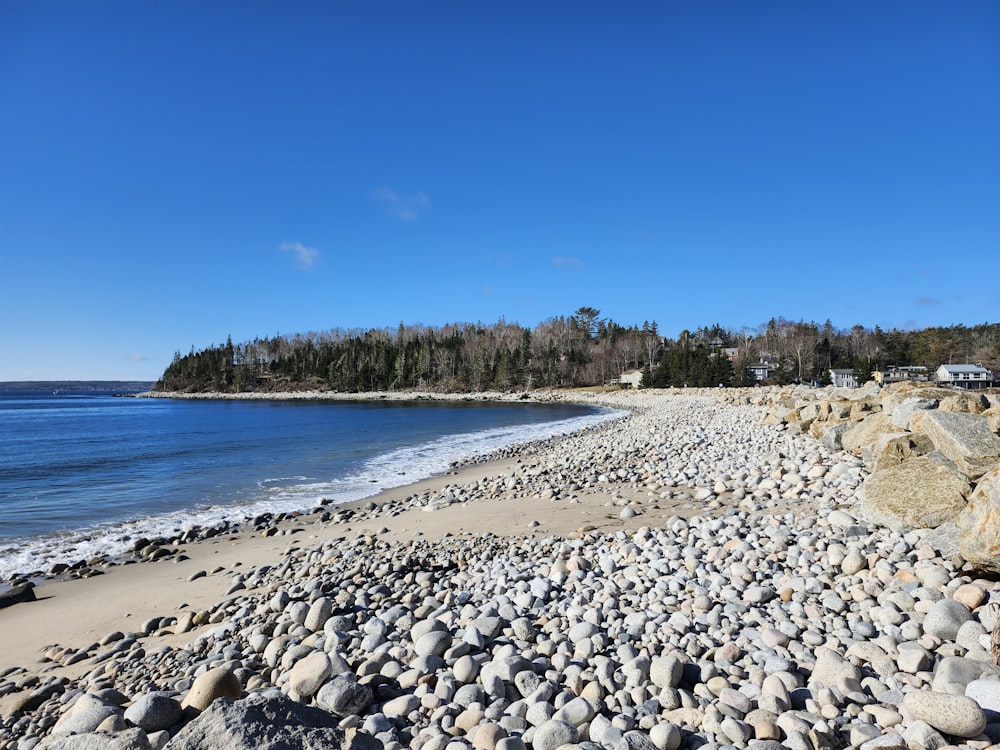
{"x":581,"y":349}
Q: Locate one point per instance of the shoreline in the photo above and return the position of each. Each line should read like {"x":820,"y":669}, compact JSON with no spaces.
{"x":692,"y":537}
{"x":187,"y":557}
{"x":72,"y":555}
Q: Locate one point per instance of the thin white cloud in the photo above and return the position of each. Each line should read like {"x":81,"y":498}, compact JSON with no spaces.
{"x":136,"y":357}
{"x":305,"y":257}
{"x":927,"y":301}
{"x":405,"y":207}
{"x":573,"y":264}
{"x":500,"y":261}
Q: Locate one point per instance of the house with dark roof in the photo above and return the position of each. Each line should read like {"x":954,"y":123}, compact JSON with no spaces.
{"x":763,"y":370}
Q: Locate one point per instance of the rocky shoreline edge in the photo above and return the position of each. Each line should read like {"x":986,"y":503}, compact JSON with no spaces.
{"x":18,"y":586}
{"x":730,"y":596}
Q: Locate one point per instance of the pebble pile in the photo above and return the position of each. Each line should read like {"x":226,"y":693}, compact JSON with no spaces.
{"x":768,"y":616}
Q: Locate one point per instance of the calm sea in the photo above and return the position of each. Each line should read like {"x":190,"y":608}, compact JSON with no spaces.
{"x":86,"y":473}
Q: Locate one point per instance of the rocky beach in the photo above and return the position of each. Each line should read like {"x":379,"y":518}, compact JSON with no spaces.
{"x":773,"y":568}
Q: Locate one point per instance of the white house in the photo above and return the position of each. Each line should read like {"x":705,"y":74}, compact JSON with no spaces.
{"x":631,"y":378}
{"x":843,"y":378}
{"x":965,"y":376}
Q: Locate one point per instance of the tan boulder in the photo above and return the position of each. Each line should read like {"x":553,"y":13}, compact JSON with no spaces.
{"x":895,"y":394}
{"x":820,"y":427}
{"x":215,"y":683}
{"x":979,"y":524}
{"x":921,"y":492}
{"x":835,"y":410}
{"x":992,"y":416}
{"x":777,"y":415}
{"x":809,"y":412}
{"x":868,"y":431}
{"x":892,"y":450}
{"x":869,"y":390}
{"x":861,"y":409}
{"x":964,"y":438}
{"x":965,"y":403}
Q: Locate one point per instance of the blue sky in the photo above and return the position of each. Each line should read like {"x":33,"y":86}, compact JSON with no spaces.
{"x":175,"y":172}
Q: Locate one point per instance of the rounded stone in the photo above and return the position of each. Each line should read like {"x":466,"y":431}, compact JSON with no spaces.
{"x":854,"y":562}
{"x":488,"y":734}
{"x":343,"y":696}
{"x":970,"y":595}
{"x":944,"y":619}
{"x":215,"y":683}
{"x":635,"y":740}
{"x":577,"y":712}
{"x":154,"y":712}
{"x":309,"y":673}
{"x":831,"y":667}
{"x":86,"y":719}
{"x":434,"y":643}
{"x":581,"y":631}
{"x":553,"y":734}
{"x":401,"y":707}
{"x":665,"y":671}
{"x":957,"y":715}
{"x":510,"y":743}
{"x":665,"y":736}
{"x":466,"y":669}
{"x":319,"y":612}
{"x":986,"y":692}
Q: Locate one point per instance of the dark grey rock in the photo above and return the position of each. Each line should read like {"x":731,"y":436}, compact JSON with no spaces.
{"x":24,"y":592}
{"x":344,"y":696}
{"x":130,"y":739}
{"x":267,"y":721}
{"x":154,"y":711}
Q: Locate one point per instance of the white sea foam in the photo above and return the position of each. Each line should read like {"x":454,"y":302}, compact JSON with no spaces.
{"x":282,"y":495}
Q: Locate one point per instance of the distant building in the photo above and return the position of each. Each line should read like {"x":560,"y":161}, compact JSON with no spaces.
{"x":965,"y":376}
{"x":763,"y":370}
{"x":893,"y":374}
{"x":631,"y":378}
{"x":843,"y":378}
{"x":731,"y":353}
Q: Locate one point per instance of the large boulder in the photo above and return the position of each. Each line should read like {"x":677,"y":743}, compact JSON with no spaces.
{"x":966,"y":439}
{"x":830,"y":434}
{"x":268,"y":721}
{"x":892,"y":450}
{"x":966,"y":403}
{"x":869,"y":390}
{"x":834,"y":410}
{"x":918,"y":493}
{"x":979,"y":524}
{"x":992,"y":416}
{"x":867,"y":432}
{"x":893,"y":395}
{"x":901,"y":414}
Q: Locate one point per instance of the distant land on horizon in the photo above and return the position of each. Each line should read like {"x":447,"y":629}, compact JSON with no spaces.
{"x":76,"y":385}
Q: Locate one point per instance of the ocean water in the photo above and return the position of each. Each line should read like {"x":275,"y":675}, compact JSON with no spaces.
{"x":86,"y":473}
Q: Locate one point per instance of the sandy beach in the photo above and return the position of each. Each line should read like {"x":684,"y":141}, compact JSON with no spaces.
{"x":687,"y":576}
{"x":66,"y":614}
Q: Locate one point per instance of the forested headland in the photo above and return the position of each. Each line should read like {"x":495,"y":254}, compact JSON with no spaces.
{"x":582,"y":349}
